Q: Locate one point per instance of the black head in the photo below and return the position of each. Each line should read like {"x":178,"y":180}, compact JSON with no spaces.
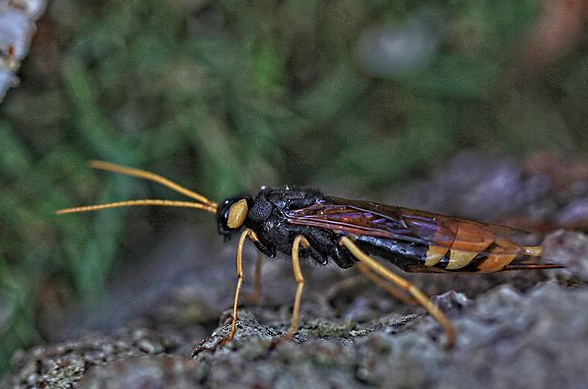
{"x":232,"y":213}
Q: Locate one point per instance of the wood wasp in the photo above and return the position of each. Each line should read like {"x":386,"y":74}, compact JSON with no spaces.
{"x":304,"y":223}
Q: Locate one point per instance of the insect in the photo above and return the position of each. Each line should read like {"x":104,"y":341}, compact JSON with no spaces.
{"x":304,"y":223}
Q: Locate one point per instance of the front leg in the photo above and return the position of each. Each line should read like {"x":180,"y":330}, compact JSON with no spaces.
{"x":248,"y":233}
{"x":253,"y":297}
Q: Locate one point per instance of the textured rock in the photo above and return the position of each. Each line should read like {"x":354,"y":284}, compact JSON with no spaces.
{"x":506,"y":339}
{"x":63,"y":365}
{"x":569,"y":248}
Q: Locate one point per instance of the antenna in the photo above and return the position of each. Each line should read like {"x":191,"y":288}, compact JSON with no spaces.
{"x":203,"y":203}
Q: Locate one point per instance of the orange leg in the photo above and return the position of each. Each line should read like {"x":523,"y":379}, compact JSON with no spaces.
{"x":403,"y":284}
{"x":299,"y":240}
{"x":248,"y":233}
{"x":253,"y":297}
{"x":394,"y":292}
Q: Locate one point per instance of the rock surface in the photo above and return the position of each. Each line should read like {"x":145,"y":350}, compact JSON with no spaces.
{"x":515,"y":330}
{"x":506,"y":339}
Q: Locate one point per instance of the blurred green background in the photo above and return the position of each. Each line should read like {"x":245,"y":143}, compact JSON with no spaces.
{"x":225,"y":96}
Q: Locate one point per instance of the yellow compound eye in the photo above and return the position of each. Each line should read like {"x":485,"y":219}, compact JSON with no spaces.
{"x":237,"y":214}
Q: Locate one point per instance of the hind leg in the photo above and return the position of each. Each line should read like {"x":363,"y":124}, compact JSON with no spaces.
{"x":404,"y":285}
{"x":394,"y":292}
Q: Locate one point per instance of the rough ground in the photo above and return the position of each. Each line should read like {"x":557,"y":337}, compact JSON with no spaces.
{"x":515,"y":330}
{"x":507,"y":339}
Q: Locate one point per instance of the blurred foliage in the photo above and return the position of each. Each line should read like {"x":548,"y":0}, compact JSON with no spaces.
{"x":229,"y":95}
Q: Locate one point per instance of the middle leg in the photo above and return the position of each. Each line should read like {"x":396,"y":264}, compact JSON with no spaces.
{"x":298,"y":240}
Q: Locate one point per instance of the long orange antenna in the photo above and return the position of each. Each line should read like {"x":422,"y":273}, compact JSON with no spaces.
{"x":157,"y":202}
{"x":129,"y":171}
{"x":203,"y":203}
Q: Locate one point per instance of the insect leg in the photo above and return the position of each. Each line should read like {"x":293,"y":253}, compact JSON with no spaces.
{"x":253,"y":297}
{"x":397,"y":294}
{"x":403,"y":284}
{"x":247,"y":233}
{"x":298,"y":240}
